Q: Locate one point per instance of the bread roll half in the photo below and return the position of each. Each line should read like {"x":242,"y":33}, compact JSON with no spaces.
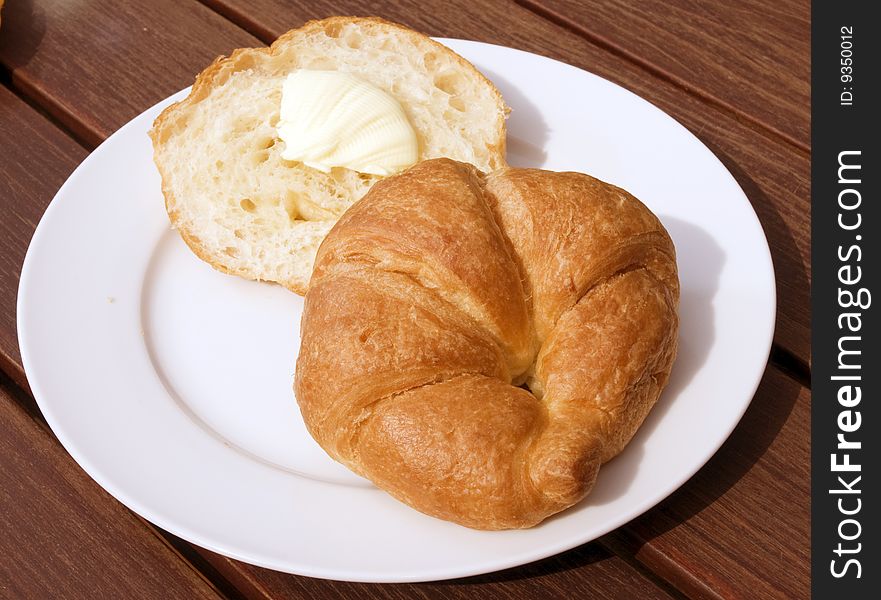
{"x":244,"y":209}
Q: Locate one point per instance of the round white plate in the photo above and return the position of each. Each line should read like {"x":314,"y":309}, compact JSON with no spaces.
{"x":170,"y":383}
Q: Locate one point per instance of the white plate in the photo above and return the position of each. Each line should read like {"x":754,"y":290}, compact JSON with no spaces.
{"x":170,"y":383}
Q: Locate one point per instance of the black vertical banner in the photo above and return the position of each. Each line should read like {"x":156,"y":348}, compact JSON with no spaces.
{"x":846,"y":365}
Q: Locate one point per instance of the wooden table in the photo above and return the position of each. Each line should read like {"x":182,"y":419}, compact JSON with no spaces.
{"x":735,"y":74}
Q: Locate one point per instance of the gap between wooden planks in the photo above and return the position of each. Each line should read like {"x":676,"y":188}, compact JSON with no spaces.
{"x":751,"y":58}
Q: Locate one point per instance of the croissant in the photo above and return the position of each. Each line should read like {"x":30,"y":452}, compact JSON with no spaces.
{"x":478,"y":345}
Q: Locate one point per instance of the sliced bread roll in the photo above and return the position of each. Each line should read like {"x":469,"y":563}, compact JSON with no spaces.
{"x":243,"y":208}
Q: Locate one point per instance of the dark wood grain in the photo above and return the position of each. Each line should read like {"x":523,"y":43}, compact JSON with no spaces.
{"x":741,"y":526}
{"x":752,"y":57}
{"x":61,"y":535}
{"x":585,"y":572}
{"x":774,"y":175}
{"x":35,"y":160}
{"x":96,"y":64}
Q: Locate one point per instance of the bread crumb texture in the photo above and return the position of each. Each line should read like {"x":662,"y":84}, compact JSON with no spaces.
{"x":247,"y":211}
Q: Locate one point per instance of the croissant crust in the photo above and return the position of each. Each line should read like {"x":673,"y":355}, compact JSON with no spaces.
{"x":479,"y":345}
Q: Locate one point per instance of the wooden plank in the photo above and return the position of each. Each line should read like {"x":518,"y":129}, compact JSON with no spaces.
{"x":62,"y":535}
{"x":96,"y":65}
{"x":752,"y":57}
{"x":774,"y":174}
{"x":35,"y":161}
{"x":741,"y":525}
{"x":589,"y":571}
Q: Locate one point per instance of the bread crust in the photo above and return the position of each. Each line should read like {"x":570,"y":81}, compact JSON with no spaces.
{"x":223,"y":67}
{"x":442,"y":291}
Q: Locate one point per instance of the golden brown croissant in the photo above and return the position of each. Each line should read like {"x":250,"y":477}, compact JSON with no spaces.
{"x":444,"y":294}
